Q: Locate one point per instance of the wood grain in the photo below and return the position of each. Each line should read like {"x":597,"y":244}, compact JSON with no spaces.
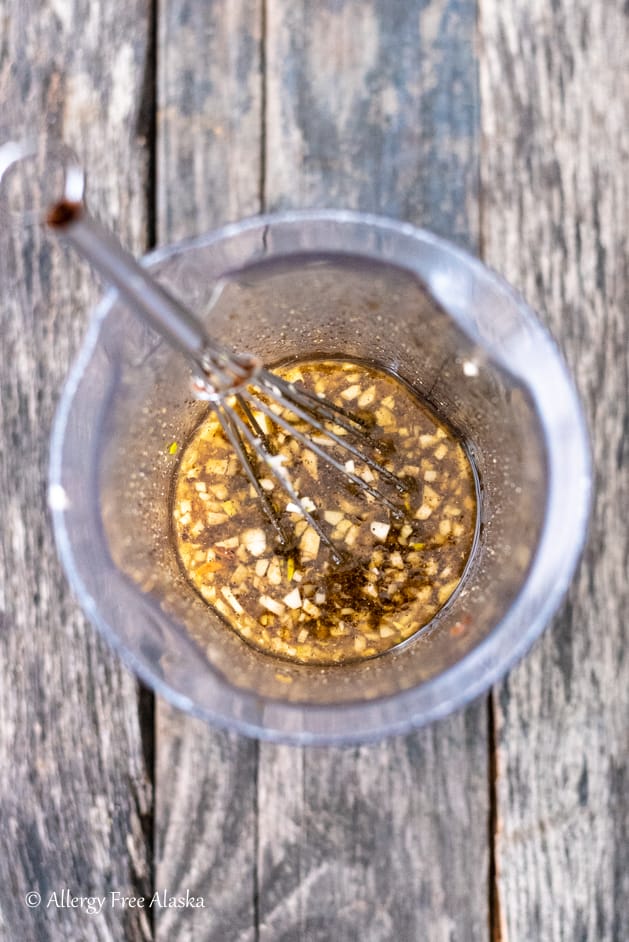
{"x":209,"y":146}
{"x":209,"y":114}
{"x":373,"y":106}
{"x":380,"y":842}
{"x":555,"y":106}
{"x":74,"y":794}
{"x":276,"y":104}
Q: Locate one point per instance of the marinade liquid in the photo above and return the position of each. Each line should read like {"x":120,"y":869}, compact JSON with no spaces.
{"x":396,"y":572}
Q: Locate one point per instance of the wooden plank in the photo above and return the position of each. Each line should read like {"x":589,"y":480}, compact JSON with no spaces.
{"x":205,"y":829}
{"x":373,"y":106}
{"x":209,"y":114}
{"x":209,"y":124}
{"x":75,"y":798}
{"x":556,"y":215}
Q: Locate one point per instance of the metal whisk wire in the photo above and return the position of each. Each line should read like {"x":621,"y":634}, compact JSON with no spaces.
{"x":291,"y":399}
{"x":236,"y":384}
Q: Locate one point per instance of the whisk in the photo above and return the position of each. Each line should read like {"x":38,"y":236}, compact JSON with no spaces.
{"x":223,"y":377}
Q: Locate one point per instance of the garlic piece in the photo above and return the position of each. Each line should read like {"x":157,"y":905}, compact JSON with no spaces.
{"x":227,"y":593}
{"x":333,"y":517}
{"x":309,"y":544}
{"x":271,"y":605}
{"x":261,"y":567}
{"x":255,"y":541}
{"x":293,"y":599}
{"x":380,"y":530}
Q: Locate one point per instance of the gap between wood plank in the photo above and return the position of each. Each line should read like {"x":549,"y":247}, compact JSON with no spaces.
{"x":147,"y":130}
{"x":495,"y":923}
{"x":146,"y":718}
{"x":256,"y":846}
{"x":495,"y":932}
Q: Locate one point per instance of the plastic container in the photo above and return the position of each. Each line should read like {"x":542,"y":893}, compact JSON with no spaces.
{"x":335,"y":284}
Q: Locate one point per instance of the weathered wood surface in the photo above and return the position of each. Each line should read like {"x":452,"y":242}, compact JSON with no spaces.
{"x":210,"y":114}
{"x":555,"y":107}
{"x":209,"y":142}
{"x":374,"y":106}
{"x":75,"y":798}
{"x":362,"y":108}
{"x":271,"y":104}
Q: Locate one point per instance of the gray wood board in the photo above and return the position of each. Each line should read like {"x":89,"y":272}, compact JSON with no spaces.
{"x":74,"y":794}
{"x":555,"y":106}
{"x":209,"y":146}
{"x":374,"y":106}
{"x":371,"y":106}
{"x":375,"y":109}
{"x":209,"y":122}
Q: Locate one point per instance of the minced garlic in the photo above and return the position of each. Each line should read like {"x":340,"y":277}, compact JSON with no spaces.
{"x":397,"y":572}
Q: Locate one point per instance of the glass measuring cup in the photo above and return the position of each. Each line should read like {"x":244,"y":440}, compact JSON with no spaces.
{"x":340,"y":285}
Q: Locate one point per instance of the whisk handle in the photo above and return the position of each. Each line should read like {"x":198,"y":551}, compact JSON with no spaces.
{"x":135,"y":284}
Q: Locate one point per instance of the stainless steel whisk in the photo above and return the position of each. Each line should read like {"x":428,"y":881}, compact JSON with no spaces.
{"x":223,"y":376}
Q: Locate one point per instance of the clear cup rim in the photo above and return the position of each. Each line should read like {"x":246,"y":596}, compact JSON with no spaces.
{"x":490,"y":659}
